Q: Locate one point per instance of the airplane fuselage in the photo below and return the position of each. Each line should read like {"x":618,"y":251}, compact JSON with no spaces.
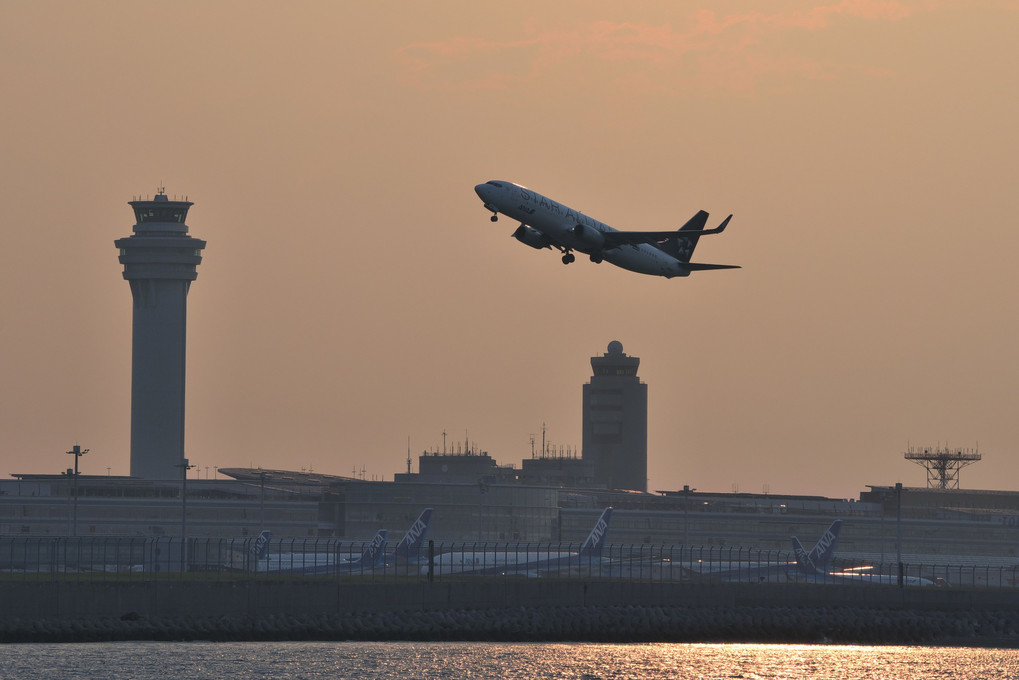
{"x":508,"y":562}
{"x":563,"y":226}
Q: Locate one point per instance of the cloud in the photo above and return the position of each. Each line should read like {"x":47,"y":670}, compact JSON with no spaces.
{"x":711,"y":52}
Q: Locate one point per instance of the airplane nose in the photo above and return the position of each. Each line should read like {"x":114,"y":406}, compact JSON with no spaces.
{"x":482,"y":190}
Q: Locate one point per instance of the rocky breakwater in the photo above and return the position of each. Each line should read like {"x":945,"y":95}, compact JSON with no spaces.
{"x":550,"y":624}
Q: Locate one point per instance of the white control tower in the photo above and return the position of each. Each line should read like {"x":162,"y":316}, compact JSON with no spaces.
{"x":160,"y":262}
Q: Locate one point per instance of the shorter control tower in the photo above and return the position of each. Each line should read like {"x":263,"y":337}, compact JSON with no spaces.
{"x":942,"y":464}
{"x":160,"y":262}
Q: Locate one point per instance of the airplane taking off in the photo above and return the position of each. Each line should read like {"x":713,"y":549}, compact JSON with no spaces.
{"x":544,"y":223}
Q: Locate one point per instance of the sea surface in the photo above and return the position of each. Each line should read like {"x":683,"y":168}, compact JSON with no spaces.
{"x":463,"y":661}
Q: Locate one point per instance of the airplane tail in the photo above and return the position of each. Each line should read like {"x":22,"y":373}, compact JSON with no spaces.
{"x":409,"y":547}
{"x":820,"y":558}
{"x":375,"y":554}
{"x":592,"y":547}
{"x":681,"y":247}
{"x":260,"y":548}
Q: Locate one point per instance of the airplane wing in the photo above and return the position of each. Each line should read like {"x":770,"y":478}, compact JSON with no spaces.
{"x":614,"y":239}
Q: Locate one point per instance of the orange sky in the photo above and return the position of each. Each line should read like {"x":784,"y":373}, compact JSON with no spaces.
{"x":354,"y":293}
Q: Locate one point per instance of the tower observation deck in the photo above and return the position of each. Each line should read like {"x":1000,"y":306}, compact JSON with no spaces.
{"x":942,"y":464}
{"x":160,"y":261}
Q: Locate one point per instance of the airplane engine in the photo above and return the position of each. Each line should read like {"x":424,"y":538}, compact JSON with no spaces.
{"x":530,"y":237}
{"x":590,"y":238}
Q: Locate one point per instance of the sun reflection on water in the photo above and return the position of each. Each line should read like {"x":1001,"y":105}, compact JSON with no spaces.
{"x":465,"y":661}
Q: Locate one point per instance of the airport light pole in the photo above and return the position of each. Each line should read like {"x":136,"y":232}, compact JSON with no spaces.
{"x":77,"y":452}
{"x":184,"y":466}
{"x":898,"y":529}
{"x":687,"y":490}
{"x":261,"y":500}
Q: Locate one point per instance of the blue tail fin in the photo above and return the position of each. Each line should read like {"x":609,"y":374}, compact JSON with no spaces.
{"x":260,"y":548}
{"x":409,"y":547}
{"x":819,"y":559}
{"x":374,"y":555}
{"x":592,"y":547}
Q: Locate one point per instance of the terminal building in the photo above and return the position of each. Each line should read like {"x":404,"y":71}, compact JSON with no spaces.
{"x":551,"y":497}
{"x":314,"y":506}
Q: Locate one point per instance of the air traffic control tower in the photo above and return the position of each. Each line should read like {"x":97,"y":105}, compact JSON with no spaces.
{"x":160,"y":262}
{"x":615,"y":421}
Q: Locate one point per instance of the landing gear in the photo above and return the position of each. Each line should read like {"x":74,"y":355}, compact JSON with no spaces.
{"x":596,"y":258}
{"x":568,"y":258}
{"x":495,"y":217}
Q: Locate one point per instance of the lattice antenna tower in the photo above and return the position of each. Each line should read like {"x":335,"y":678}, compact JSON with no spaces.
{"x":942,"y":463}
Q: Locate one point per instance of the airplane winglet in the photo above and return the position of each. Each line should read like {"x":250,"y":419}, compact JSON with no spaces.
{"x":723,"y":225}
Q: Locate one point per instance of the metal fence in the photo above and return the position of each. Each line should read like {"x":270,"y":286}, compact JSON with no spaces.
{"x":116,"y":558}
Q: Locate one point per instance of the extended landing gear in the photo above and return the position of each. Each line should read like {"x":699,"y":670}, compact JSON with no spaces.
{"x":495,"y":217}
{"x":568,"y":258}
{"x":596,"y":258}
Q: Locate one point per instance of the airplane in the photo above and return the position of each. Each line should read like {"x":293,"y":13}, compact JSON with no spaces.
{"x":813,"y":571}
{"x":544,"y":223}
{"x":820,"y":557}
{"x":260,"y":548}
{"x":530,"y":562}
{"x":369,"y":559}
{"x":373,"y":557}
{"x":408,"y":550}
{"x":313,"y":563}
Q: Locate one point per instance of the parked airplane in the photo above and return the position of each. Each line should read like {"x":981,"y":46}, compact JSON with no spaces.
{"x":374,"y":555}
{"x":408,"y":550}
{"x":530,"y":562}
{"x":310,"y":563}
{"x":813,"y":571}
{"x":544,"y":223}
{"x":369,"y":559}
{"x":822,"y":555}
{"x":260,"y":548}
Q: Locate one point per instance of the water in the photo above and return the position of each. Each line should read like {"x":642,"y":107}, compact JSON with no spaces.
{"x":466,"y":661}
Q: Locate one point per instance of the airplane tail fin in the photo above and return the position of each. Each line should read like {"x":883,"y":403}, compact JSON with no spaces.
{"x":375,"y":553}
{"x":820,"y":558}
{"x":592,"y":547}
{"x":260,"y":548}
{"x":681,"y":247}
{"x":409,"y":547}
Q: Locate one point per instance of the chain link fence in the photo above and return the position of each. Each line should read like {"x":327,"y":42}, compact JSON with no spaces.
{"x":119,"y":558}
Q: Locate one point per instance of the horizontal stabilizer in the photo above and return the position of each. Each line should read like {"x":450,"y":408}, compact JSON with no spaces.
{"x":700,"y":266}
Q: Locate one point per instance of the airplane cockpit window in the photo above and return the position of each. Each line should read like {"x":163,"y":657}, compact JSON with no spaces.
{"x":495,"y":184}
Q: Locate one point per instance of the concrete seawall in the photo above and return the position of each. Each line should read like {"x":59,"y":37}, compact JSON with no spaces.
{"x":504,"y":609}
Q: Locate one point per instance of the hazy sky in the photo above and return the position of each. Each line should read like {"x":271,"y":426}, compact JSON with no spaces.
{"x":354,"y":292}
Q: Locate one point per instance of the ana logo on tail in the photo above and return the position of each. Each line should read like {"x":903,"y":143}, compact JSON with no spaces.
{"x":820,"y":558}
{"x":596,"y":539}
{"x":260,"y":548}
{"x":375,"y":553}
{"x":409,"y":546}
